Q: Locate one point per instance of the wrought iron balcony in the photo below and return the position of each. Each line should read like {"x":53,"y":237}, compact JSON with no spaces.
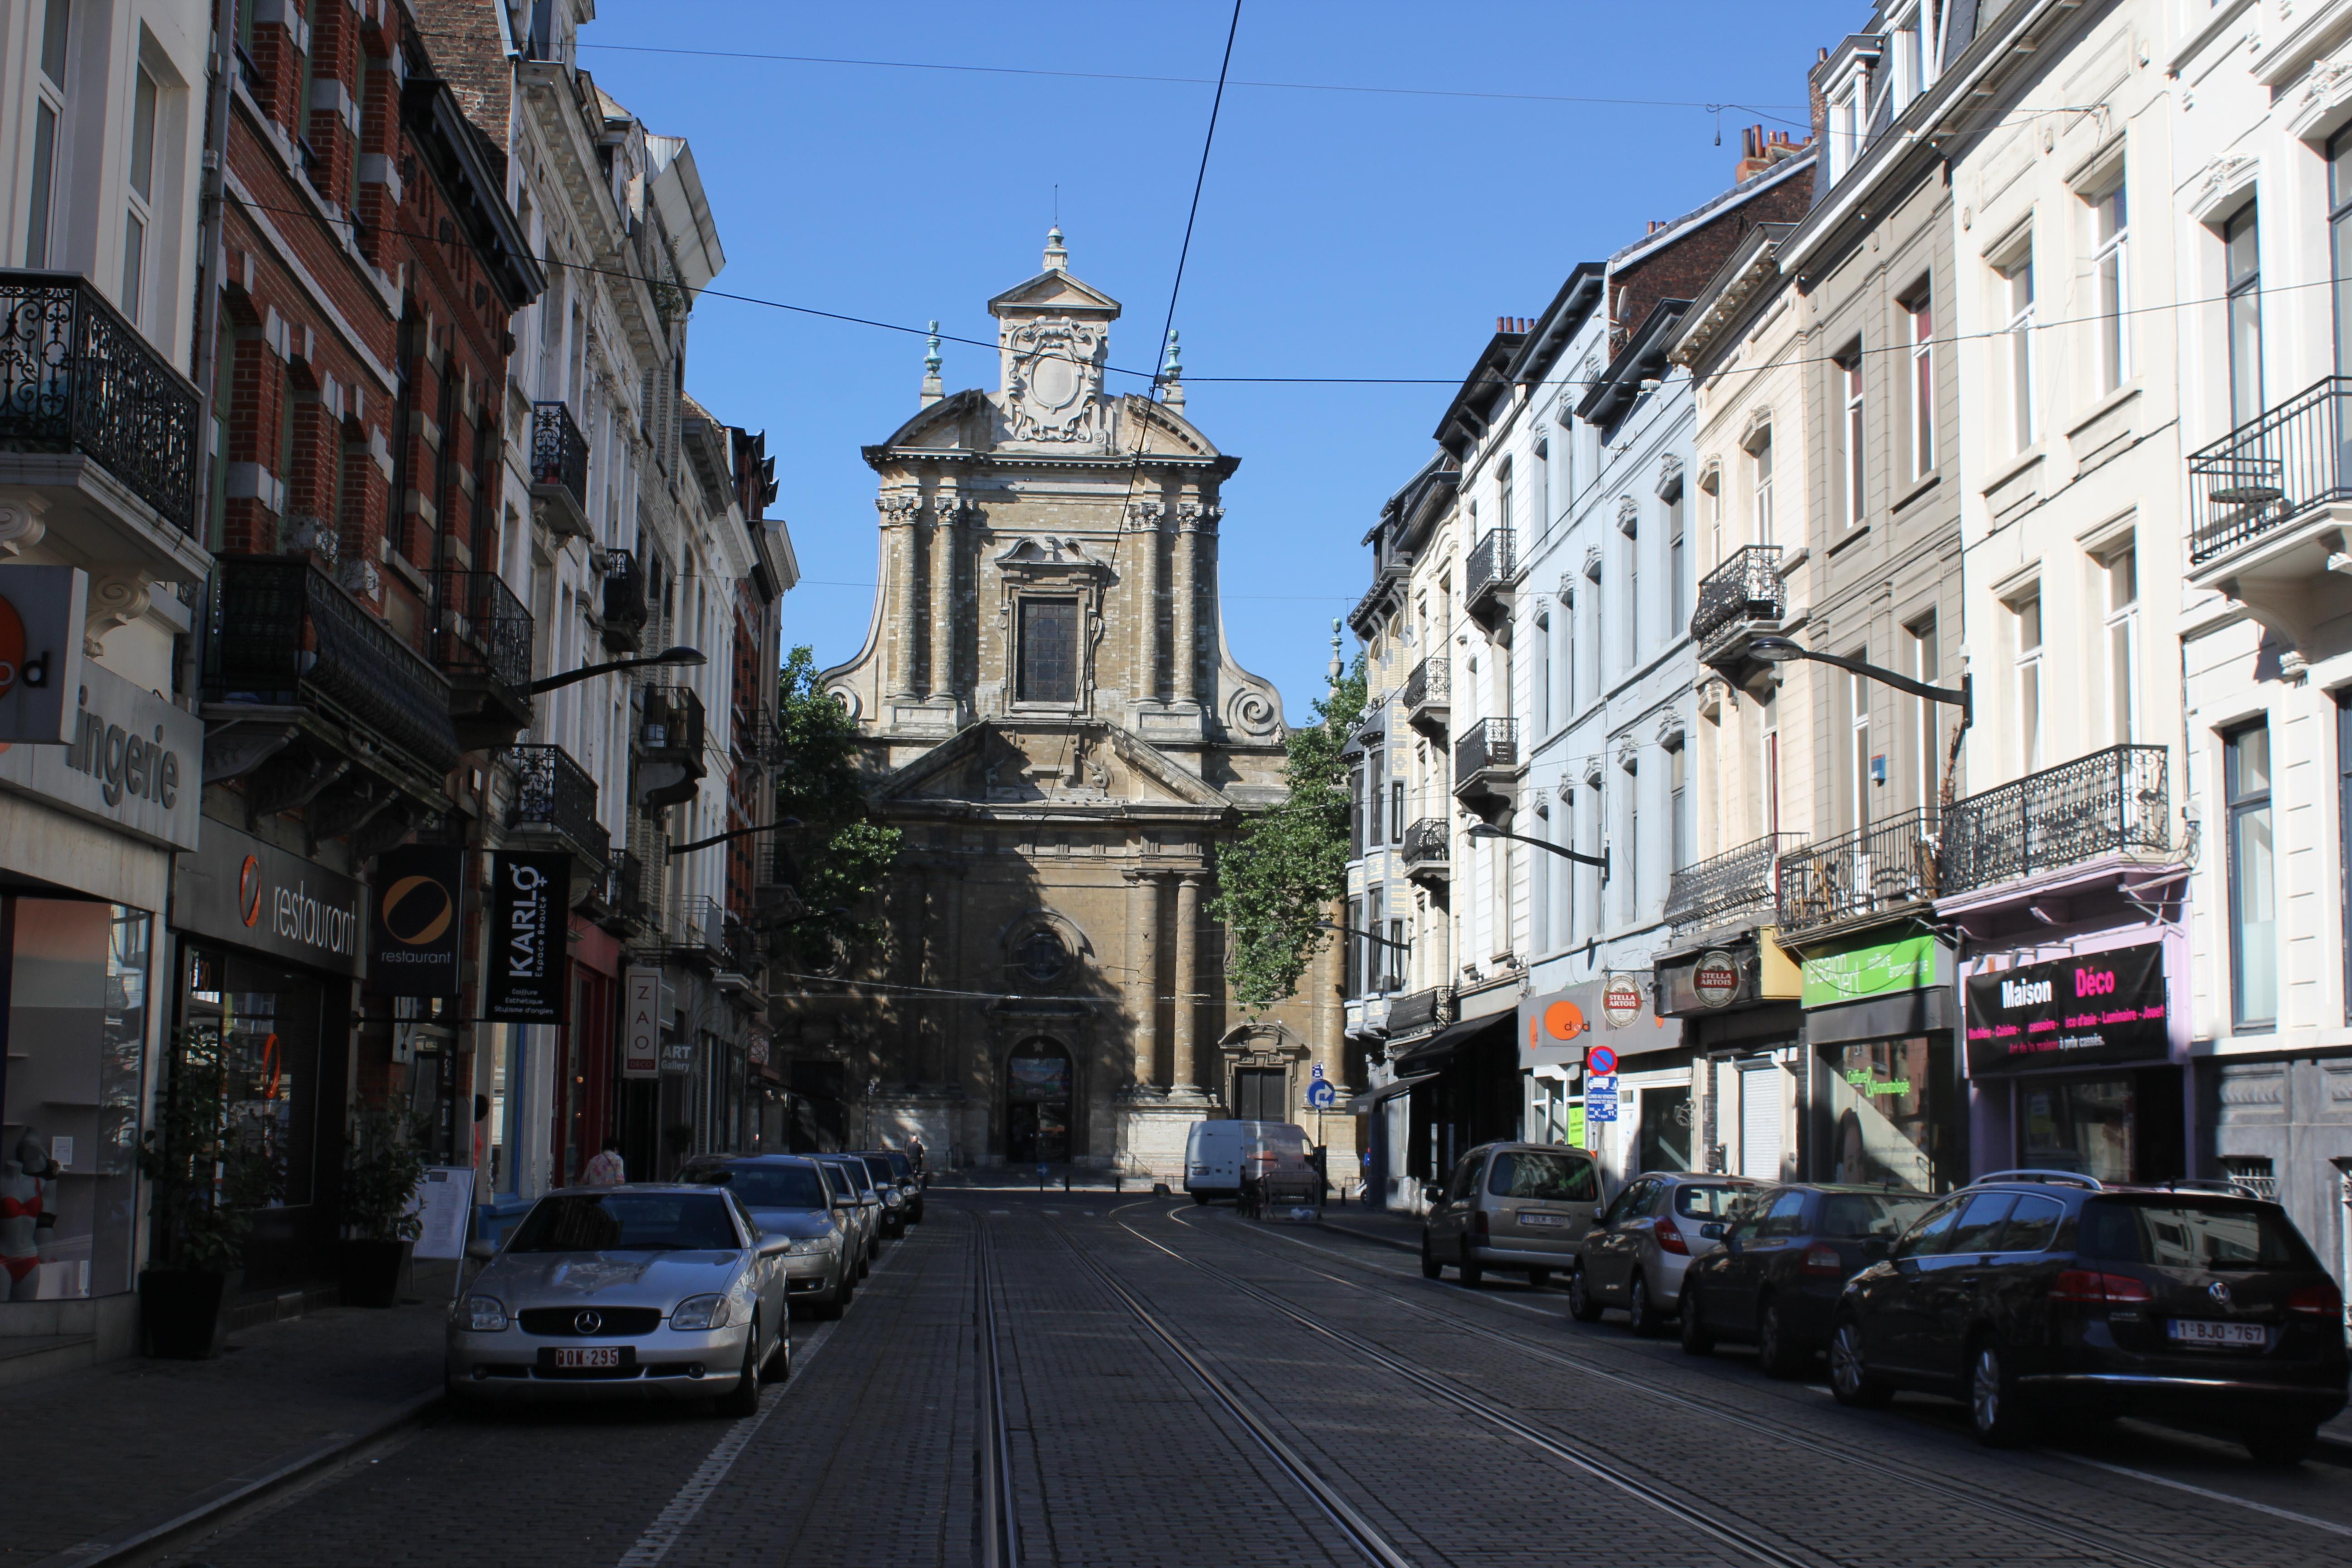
{"x":1429,"y":694}
{"x":1737,"y":882}
{"x":481,"y":640}
{"x":2271,"y":470}
{"x":1882,"y":869}
{"x":76,"y":379}
{"x":554,"y":795}
{"x":625,"y":602}
{"x":627,"y":897}
{"x":1490,"y":745}
{"x":1486,"y":576}
{"x":559,"y":468}
{"x":1427,"y":853}
{"x":671,"y":762}
{"x":1743,"y":596}
{"x":284,"y":635}
{"x":2113,"y":801}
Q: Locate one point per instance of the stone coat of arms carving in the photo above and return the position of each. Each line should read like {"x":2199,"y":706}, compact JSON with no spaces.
{"x":1053,"y":393}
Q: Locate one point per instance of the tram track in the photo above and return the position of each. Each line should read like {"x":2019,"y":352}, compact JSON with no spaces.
{"x":997,"y":1523}
{"x":2019,"y":1512}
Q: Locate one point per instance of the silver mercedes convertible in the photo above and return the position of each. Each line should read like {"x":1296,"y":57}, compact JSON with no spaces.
{"x":643,"y":1291}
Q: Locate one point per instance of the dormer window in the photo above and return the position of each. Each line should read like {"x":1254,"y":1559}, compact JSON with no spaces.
{"x":1848,"y":95}
{"x":1911,"y":49}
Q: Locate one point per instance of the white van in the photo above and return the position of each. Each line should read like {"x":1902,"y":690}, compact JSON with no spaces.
{"x":1217,"y":1153}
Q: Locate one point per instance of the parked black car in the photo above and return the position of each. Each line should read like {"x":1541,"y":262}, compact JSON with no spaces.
{"x":910,"y":1181}
{"x":2029,"y":1292}
{"x":1786,"y":1256}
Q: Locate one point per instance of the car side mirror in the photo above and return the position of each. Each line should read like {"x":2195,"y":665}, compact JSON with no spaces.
{"x":482,"y":1251}
{"x":1599,"y":1213}
{"x":775,"y":1245}
{"x":1712,"y":1231}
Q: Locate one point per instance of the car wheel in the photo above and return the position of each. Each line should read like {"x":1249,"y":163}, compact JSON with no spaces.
{"x":1774,"y":1355}
{"x":743,"y":1399}
{"x":1697,"y":1339}
{"x":780,"y":1359}
{"x":2282,"y":1443}
{"x":1200,"y":1198}
{"x":1430,"y":1268}
{"x":1648,"y":1322}
{"x":1851,"y":1381}
{"x":1995,"y":1409}
{"x":830,"y":1309}
{"x":1473,"y":1271}
{"x":1539,"y":1277}
{"x":1580,"y":1304}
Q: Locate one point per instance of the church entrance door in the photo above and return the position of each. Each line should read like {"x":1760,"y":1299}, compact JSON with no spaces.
{"x":1037,"y":1103}
{"x":1257,"y":1094}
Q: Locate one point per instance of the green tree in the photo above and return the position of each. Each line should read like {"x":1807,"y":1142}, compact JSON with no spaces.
{"x":1276,"y":881}
{"x":840,"y":852}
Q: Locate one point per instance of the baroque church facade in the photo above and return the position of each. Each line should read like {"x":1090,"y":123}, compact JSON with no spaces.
{"x":1048,"y":710}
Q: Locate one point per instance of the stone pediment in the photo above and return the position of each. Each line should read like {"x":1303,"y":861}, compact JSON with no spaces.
{"x":1054,"y":292}
{"x":999,"y":763}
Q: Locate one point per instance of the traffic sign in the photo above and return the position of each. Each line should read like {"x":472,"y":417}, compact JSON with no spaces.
{"x":1600,"y":1097}
{"x":1320,"y":1093}
{"x":1318,"y":1071}
{"x":1602,"y":1061}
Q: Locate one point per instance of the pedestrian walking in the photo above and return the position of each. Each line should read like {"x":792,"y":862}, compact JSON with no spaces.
{"x":607,"y":1169}
{"x":915,"y":1154}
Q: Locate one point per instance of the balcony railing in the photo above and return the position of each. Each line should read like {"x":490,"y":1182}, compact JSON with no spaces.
{"x":673,"y":720}
{"x":1430,"y":684}
{"x":1492,"y":562}
{"x":1736,"y":882}
{"x":283,"y":634}
{"x":1426,"y":844}
{"x":481,"y":629}
{"x":1488,"y":743}
{"x":1420,"y":1011}
{"x":2114,"y":802}
{"x":1746,"y":587}
{"x":2271,"y":470}
{"x":628,"y":895}
{"x":559,"y":461}
{"x":1881,"y":868}
{"x":624,"y":601}
{"x":76,"y":377}
{"x":553,"y":792}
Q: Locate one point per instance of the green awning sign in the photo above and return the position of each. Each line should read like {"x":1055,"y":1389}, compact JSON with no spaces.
{"x":1875,"y":970}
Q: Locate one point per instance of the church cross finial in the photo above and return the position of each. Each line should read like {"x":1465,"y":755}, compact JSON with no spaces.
{"x":1056,"y":258}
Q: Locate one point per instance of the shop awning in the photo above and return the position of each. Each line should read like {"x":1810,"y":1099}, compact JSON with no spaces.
{"x":1433,"y":1053}
{"x":1363,"y":1103}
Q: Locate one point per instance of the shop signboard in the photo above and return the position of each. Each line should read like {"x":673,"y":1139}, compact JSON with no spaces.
{"x":1873,"y":969}
{"x":1550,"y":1027}
{"x":247,"y":893}
{"x":677,"y":1057}
{"x":641,"y":988}
{"x":2089,"y":1008}
{"x":130,"y":761}
{"x":1621,"y":999}
{"x":530,"y":892}
{"x":1555,"y":1026}
{"x":419,"y":900}
{"x":442,"y":1203}
{"x":41,"y":612}
{"x":1714,"y":978}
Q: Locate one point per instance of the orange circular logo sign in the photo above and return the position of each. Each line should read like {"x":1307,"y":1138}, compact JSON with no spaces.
{"x":1563,"y":1020}
{"x":416,"y":911}
{"x":248,"y":890}
{"x":12,"y":646}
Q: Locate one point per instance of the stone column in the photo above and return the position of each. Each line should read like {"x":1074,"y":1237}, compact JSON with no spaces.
{"x":947,"y":513}
{"x":1186,"y":986}
{"x":906,"y":615}
{"x":1143,"y":974}
{"x":1184,"y":657}
{"x":1143,"y":521}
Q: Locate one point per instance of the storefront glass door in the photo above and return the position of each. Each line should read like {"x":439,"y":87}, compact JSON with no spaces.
{"x":1892,"y":1111}
{"x":267,"y":1020}
{"x":2079,"y":1124}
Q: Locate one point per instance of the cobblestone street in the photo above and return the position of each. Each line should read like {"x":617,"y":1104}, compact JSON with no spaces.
{"x":1180,"y":1385}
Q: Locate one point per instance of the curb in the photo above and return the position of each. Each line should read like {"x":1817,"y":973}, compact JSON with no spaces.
{"x":136,"y":1538}
{"x":1342,"y":1229}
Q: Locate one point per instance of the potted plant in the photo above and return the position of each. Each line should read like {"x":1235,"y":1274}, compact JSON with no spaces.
{"x":379,"y":1176}
{"x":206,"y":1176}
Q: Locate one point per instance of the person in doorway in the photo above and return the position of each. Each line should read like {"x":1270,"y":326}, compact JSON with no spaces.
{"x":915,"y":1154}
{"x":607,"y":1169}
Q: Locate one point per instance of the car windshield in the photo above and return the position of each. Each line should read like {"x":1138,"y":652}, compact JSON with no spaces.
{"x":1697,"y":1202}
{"x":1555,"y":1178}
{"x":2188,"y":1234}
{"x":878,"y":1166}
{"x":627,"y":1222}
{"x":1870,"y":1214}
{"x":854,"y":1176}
{"x":771,"y":1186}
{"x":904,"y":1166}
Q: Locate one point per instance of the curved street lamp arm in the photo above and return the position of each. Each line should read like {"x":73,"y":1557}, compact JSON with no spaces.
{"x":1961,"y":697}
{"x":1599,"y":862}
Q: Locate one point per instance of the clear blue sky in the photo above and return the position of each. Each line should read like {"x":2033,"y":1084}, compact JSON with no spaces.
{"x":1342,"y":233}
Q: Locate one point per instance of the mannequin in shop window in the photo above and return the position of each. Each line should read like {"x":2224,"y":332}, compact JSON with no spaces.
{"x":28,"y":1220}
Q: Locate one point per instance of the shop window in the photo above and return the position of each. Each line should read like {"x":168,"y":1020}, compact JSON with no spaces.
{"x":1889,"y":1120}
{"x":266,"y":1022}
{"x":1663,"y":1140}
{"x":75,"y":1044}
{"x":2082,"y":1125}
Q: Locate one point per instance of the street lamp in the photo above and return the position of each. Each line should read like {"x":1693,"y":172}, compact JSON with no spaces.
{"x":689,"y":656}
{"x":1785,"y":650}
{"x":678,"y":849}
{"x":1489,"y":830}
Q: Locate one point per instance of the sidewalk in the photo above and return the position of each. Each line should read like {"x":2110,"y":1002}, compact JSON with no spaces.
{"x":107,"y":1452}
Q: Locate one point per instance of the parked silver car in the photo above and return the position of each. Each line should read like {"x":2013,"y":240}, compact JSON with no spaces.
{"x":1510,"y":1205}
{"x":860,"y":1202}
{"x":786,"y":1195}
{"x":1634,"y":1254}
{"x":647,"y":1291}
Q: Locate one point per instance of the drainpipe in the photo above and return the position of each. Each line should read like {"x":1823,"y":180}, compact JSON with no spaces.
{"x":212,"y":259}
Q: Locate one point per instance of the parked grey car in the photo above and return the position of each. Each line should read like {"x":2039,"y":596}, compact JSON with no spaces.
{"x":860,"y":1202}
{"x":1510,"y":1205}
{"x":786,"y":1195}
{"x":1634,"y":1254}
{"x":646,"y":1291}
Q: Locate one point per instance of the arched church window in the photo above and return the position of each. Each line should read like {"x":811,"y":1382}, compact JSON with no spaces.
{"x":1040,"y":958}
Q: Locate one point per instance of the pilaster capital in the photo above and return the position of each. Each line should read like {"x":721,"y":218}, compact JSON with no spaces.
{"x":1143,"y":516}
{"x":897,"y":511}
